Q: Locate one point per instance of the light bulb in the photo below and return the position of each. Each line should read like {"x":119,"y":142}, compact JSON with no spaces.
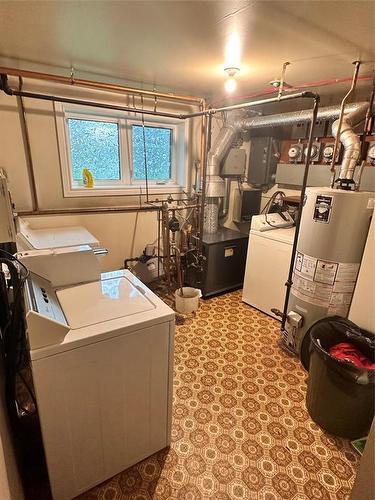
{"x":230,"y":85}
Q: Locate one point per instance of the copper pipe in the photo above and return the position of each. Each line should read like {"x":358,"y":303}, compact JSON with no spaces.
{"x":67,"y":80}
{"x":341,"y":117}
{"x":88,"y":210}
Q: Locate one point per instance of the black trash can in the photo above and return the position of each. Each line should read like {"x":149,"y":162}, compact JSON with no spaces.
{"x":340,"y":396}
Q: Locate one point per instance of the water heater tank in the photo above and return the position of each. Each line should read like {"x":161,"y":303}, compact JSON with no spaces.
{"x":331,"y":241}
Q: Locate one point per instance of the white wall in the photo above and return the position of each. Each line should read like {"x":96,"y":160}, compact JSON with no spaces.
{"x":362,"y":309}
{"x":125,"y":235}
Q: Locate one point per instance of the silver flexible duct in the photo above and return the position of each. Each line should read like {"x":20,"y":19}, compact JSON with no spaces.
{"x":350,"y":140}
{"x":327,"y":113}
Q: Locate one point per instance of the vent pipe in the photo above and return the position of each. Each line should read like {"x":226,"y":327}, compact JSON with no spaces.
{"x":350,"y":140}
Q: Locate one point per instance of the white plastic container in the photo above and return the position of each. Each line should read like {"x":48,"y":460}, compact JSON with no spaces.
{"x":189,"y":302}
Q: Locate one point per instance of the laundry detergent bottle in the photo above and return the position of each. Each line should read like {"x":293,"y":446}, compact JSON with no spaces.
{"x":88,"y":178}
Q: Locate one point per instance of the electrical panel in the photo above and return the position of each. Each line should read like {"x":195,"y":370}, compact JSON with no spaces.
{"x":263,"y":158}
{"x":234,"y":164}
{"x":246,"y":204}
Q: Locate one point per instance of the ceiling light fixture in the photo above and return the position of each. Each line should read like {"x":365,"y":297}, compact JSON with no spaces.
{"x":231,"y":82}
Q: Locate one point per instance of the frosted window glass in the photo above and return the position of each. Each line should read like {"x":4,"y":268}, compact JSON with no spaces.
{"x":158,"y":150}
{"x":94,"y":145}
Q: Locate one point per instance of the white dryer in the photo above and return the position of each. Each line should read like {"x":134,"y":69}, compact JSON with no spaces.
{"x":267,"y":265}
{"x":102,"y":363}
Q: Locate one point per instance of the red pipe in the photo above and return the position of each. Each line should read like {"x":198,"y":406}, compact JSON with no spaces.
{"x":319,"y":83}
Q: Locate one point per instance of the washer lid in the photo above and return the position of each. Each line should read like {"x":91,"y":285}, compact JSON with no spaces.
{"x":56,"y":237}
{"x":104,"y":300}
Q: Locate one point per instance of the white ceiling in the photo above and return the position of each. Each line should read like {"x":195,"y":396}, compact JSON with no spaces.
{"x":179,"y":45}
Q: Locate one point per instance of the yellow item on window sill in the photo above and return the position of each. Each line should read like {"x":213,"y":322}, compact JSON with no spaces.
{"x":88,"y":179}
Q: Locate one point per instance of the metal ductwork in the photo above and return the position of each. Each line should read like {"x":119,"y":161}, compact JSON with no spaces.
{"x":354,"y":114}
{"x":284,"y":119}
{"x":215,"y":184}
{"x":350,"y":140}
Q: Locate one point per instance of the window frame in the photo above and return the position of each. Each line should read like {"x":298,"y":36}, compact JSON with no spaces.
{"x":126,"y":185}
{"x":155,"y":124}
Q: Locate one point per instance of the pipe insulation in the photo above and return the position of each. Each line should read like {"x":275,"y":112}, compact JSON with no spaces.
{"x":350,"y":140}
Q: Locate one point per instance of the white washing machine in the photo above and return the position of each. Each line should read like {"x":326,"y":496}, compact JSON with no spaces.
{"x":102,"y":363}
{"x":267,"y":265}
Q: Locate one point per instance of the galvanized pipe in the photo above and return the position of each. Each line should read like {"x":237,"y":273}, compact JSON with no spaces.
{"x":249,"y":104}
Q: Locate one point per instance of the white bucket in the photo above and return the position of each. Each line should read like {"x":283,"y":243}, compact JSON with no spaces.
{"x":190,"y":300}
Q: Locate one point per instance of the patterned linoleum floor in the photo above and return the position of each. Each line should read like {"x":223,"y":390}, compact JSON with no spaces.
{"x":240,"y":426}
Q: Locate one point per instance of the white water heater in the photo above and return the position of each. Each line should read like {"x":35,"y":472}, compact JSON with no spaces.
{"x":333,"y":231}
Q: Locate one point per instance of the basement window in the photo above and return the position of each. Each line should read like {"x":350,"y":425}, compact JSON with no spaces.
{"x":116,"y":150}
{"x":154,"y":146}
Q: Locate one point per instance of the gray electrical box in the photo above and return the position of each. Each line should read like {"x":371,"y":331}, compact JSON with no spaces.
{"x":234,"y":164}
{"x":263,"y":158}
{"x":319,"y":175}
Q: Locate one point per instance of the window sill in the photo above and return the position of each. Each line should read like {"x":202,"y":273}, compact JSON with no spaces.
{"x":81,"y":192}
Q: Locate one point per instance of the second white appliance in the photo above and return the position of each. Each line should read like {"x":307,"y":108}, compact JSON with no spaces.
{"x":267,"y":266}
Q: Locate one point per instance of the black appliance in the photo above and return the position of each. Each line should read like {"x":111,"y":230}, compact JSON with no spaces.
{"x":224,"y":263}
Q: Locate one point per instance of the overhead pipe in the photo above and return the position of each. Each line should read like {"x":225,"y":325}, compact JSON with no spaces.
{"x":250,"y":104}
{"x":81,"y":102}
{"x":79,"y":82}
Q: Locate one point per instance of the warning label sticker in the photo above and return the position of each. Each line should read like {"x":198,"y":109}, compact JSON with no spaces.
{"x":323,"y":207}
{"x":306,"y":265}
{"x":324,"y":283}
{"x":326,"y":272}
